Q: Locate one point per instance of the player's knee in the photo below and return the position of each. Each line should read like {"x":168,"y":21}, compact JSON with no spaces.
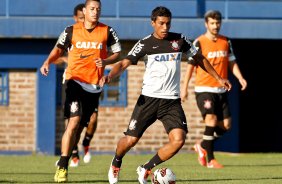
{"x":131,"y":141}
{"x":178,"y":143}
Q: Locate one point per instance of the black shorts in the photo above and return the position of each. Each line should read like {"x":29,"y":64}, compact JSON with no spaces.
{"x":147,"y":110}
{"x":213,"y":103}
{"x":80,"y":102}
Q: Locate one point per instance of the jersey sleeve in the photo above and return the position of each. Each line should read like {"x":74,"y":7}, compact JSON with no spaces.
{"x":113,"y":42}
{"x":189,"y":48}
{"x":196,"y":45}
{"x":137,"y":52}
{"x":232,"y":57}
{"x":64,"y":40}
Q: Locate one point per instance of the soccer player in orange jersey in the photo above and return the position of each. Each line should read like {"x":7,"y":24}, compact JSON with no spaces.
{"x":88,"y":44}
{"x":210,"y":96}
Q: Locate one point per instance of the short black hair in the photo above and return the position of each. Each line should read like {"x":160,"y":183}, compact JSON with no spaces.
{"x":78,"y":7}
{"x":87,"y":1}
{"x":160,"y":11}
{"x":214,"y":14}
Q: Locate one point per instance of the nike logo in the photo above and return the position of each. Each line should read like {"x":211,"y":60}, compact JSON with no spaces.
{"x":184,"y":123}
{"x":85,"y":56}
{"x":214,"y":64}
{"x":154,"y":47}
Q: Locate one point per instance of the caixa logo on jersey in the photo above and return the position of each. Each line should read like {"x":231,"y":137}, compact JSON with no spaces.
{"x":168,"y":57}
{"x":89,"y":45}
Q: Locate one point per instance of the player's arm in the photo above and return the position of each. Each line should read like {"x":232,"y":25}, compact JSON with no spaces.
{"x":234,"y":67}
{"x":62,"y":44}
{"x":187,"y":77}
{"x":116,"y":71}
{"x":53,"y":56}
{"x":114,"y":48}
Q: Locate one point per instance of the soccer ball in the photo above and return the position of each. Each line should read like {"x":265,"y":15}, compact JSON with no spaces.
{"x":163,"y":176}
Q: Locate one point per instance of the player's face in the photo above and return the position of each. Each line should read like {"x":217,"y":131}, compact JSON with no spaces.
{"x":213,"y":26}
{"x":92,"y":11}
{"x":161,"y":27}
{"x":79,"y":17}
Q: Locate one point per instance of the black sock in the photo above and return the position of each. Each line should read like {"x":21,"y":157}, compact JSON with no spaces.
{"x":75,"y":152}
{"x":208,"y":141}
{"x":117,"y":161}
{"x":87,"y":139}
{"x":63,"y":162}
{"x":219,"y":132}
{"x":153,"y":162}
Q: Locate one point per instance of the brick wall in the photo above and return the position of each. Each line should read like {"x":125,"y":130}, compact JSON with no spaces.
{"x":113,"y":121}
{"x":17,"y":122}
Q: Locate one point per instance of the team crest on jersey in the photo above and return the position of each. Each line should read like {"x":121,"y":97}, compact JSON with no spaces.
{"x":207,"y":104}
{"x":132,"y":124}
{"x":74,"y":107}
{"x":174,"y":45}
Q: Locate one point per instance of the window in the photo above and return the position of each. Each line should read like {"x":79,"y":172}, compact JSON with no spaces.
{"x":115,"y":93}
{"x":4,"y":88}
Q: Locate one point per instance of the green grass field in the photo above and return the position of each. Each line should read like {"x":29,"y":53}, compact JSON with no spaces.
{"x":239,"y":169}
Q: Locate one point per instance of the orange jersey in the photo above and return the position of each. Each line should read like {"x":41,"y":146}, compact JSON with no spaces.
{"x":84,"y":48}
{"x":219,"y":53}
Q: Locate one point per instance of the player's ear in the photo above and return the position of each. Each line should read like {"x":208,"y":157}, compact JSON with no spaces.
{"x":152,"y":23}
{"x":84,"y":10}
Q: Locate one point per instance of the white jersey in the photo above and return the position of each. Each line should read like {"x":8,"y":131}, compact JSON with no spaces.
{"x":162,"y":59}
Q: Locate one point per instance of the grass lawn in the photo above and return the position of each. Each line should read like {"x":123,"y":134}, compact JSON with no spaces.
{"x":261,"y":168}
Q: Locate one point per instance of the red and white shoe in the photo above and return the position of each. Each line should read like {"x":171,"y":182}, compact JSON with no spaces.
{"x":87,"y":155}
{"x":74,"y":162}
{"x":213,"y":164}
{"x":143,"y":174}
{"x":202,"y":154}
{"x":113,"y":174}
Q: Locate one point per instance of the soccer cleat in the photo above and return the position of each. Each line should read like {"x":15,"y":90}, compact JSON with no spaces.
{"x":87,"y":155}
{"x":56,"y":163}
{"x":74,"y":162}
{"x":213,"y":164}
{"x":61,"y":175}
{"x":202,"y":154}
{"x":113,"y":174}
{"x":143,"y":174}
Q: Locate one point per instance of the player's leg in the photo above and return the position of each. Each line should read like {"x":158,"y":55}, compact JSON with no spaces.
{"x":222,"y":127}
{"x":208,"y":138}
{"x":207,"y":104}
{"x":224,"y":116}
{"x":176,"y":141}
{"x":89,"y":133}
{"x":68,"y":141}
{"x":123,"y":146}
{"x":75,"y":152}
{"x":171,"y":113}
{"x":72,"y":112}
{"x":144,"y":114}
{"x":90,"y":103}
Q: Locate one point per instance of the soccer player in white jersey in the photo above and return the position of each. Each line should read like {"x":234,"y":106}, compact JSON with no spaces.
{"x":160,"y":96}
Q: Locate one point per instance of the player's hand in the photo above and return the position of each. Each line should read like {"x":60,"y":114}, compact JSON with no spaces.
{"x":226,"y":84}
{"x":44,"y":69}
{"x":104,"y":80}
{"x":99,"y":62}
{"x":243,"y":83}
{"x":184,"y":95}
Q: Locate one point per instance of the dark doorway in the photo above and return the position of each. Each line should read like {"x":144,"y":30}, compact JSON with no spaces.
{"x":260,"y":112}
